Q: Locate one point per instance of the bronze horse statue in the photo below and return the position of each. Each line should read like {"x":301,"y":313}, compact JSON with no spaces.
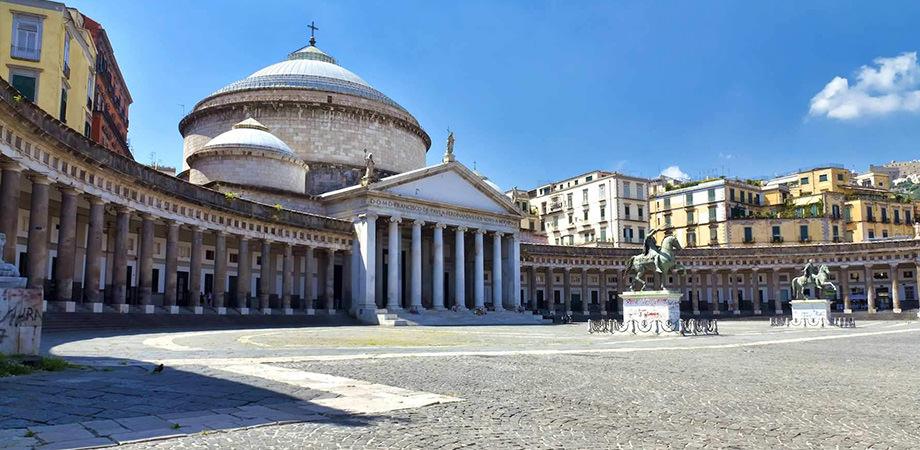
{"x":819,"y":281}
{"x":661,"y":260}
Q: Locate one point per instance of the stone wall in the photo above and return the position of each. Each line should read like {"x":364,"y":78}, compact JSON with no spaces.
{"x":334,"y":133}
{"x":253,"y":168}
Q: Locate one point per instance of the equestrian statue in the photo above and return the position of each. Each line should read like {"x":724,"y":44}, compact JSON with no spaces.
{"x":661,"y":260}
{"x":815,"y":277}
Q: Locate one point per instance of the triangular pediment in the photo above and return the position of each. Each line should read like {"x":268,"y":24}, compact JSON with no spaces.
{"x":449,"y":187}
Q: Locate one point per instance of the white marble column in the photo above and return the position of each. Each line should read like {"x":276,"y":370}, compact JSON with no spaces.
{"x":479,"y":271}
{"x":844,"y":282}
{"x":194,"y":277}
{"x":366,"y":230}
{"x":172,"y":263}
{"x":145,"y":263}
{"x":10,"y":188}
{"x":287,"y":278}
{"x":38,"y":232}
{"x":459,"y":269}
{"x":93,"y":272}
{"x":515,"y":261}
{"x":393,"y":300}
{"x":437,"y":270}
{"x":497,"y":287}
{"x":266,"y":277}
{"x":895,"y":289}
{"x":67,"y":245}
{"x":329,"y":282}
{"x":416,"y":288}
{"x":120,"y":279}
{"x":309,"y":267}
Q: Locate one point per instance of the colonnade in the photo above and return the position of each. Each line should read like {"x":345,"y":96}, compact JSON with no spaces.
{"x":713,"y":291}
{"x":432,"y":277}
{"x":298,"y":261}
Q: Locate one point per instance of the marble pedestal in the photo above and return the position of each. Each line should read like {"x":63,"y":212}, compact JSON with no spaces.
{"x":244,"y":311}
{"x":21,"y":324}
{"x":811,"y":311}
{"x":645,"y":307}
{"x":199,"y":309}
{"x":149,"y":309}
{"x":174,"y":309}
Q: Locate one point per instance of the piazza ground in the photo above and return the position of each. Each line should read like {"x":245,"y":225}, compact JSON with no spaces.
{"x":490,"y":387}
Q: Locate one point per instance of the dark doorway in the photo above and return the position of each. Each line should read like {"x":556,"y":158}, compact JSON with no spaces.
{"x":230,"y":295}
{"x":182,"y":288}
{"x":155,"y":284}
{"x":337,"y":287}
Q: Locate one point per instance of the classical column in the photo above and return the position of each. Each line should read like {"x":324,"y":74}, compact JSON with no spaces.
{"x":347,"y":293}
{"x":550,"y":298}
{"x":703,"y":280}
{"x":895,"y":289}
{"x":219,"y":288}
{"x":755,"y":292}
{"x":567,"y":289}
{"x":695,"y":301}
{"x":416,"y":281}
{"x":602,"y":294}
{"x":67,"y":245}
{"x":774,"y":282}
{"x":515,"y":262}
{"x":9,"y":208}
{"x":716,"y":287}
{"x":309,"y":267}
{"x":585,"y":298}
{"x":94,"y":252}
{"x":38,"y":232}
{"x":266,"y":280}
{"x":478,"y":270}
{"x":172,"y":265}
{"x":870,"y":291}
{"x":459,"y":269}
{"x":145,"y":263}
{"x":287,"y":277}
{"x":844,"y":280}
{"x":120,"y":261}
{"x":735,"y":303}
{"x":497,"y":286}
{"x":366,"y":262}
{"x":437,"y":269}
{"x":532,"y":287}
{"x":244,"y":275}
{"x":381,"y":240}
{"x":393,"y":272}
{"x":330,"y":280}
{"x":194,"y":273}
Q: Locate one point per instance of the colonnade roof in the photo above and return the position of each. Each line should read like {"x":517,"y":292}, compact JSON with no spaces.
{"x":45,"y":126}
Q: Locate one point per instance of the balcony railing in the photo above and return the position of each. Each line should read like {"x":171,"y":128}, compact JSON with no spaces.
{"x":804,"y":239}
{"x":870,"y":219}
{"x":748,"y":240}
{"x":885,"y":220}
{"x":777,"y":239}
{"x":31,"y":54}
{"x":837,"y":239}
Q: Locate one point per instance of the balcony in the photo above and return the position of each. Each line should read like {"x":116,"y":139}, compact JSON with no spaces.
{"x":777,"y":239}
{"x":837,"y":239}
{"x":748,"y":240}
{"x":804,"y":239}
{"x":885,"y":220}
{"x":29,"y":54}
{"x":897,"y":221}
{"x":870,"y":219}
{"x":555,"y":206}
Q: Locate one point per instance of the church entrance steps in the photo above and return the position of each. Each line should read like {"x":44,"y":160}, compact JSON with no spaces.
{"x":458,"y":318}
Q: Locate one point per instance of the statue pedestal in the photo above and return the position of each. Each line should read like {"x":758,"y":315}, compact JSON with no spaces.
{"x":644,"y":308}
{"x":21,"y":327}
{"x":811,"y":311}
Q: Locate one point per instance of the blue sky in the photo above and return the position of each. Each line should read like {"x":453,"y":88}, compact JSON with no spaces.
{"x":537,"y":91}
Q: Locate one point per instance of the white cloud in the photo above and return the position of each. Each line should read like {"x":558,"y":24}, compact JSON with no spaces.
{"x":675,"y":172}
{"x":892,"y":85}
{"x":726,"y":155}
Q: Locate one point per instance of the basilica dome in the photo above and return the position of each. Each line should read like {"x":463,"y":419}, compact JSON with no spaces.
{"x":327,"y":116}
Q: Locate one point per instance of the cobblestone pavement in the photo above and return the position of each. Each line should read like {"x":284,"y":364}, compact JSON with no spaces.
{"x":751,"y":387}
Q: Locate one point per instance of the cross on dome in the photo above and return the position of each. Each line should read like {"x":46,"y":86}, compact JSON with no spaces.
{"x":313,"y":29}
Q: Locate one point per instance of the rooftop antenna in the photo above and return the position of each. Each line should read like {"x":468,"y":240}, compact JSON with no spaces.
{"x":313,"y":29}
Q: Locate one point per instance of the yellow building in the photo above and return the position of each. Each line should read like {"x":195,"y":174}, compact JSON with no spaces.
{"x":50,"y":58}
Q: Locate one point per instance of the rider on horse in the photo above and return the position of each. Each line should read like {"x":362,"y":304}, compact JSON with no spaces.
{"x":810,"y":272}
{"x":651,"y":247}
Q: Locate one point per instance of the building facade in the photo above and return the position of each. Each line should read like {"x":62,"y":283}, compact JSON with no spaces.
{"x":48,"y":55}
{"x":596,"y":208}
{"x":112,"y":98}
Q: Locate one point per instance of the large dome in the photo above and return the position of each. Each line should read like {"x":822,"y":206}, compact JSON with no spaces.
{"x":309,"y":68}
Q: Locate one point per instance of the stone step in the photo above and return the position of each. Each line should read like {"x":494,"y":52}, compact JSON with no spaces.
{"x":60,"y":321}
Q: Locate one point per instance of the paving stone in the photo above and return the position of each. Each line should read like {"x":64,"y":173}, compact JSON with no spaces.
{"x":143,"y":423}
{"x":57,"y":433}
{"x":105,"y":427}
{"x":79,"y":444}
{"x":135,"y":436}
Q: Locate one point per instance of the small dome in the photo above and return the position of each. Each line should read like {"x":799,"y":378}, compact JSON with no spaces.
{"x":249,"y":133}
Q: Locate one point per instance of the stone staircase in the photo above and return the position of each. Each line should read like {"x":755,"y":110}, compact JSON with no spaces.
{"x":402,"y":318}
{"x":62,"y":321}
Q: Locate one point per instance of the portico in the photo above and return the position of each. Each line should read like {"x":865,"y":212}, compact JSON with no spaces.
{"x":431,"y":239}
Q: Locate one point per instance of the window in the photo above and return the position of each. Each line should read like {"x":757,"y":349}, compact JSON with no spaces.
{"x":712,"y":195}
{"x":571,"y":220}
{"x":67,"y":53}
{"x":907,"y":217}
{"x":641,"y":234}
{"x":822,"y":177}
{"x":712,"y":213}
{"x":885,"y":215}
{"x":750,"y":197}
{"x":209,"y":255}
{"x":688,"y":199}
{"x":667,"y":203}
{"x":884,"y":233}
{"x":871,"y":234}
{"x":27,"y":37}
{"x":690,"y":218}
{"x":897,"y":216}
{"x":568,"y":198}
{"x":603,"y":234}
{"x":26,"y":82}
{"x":839,"y":177}
{"x":869,"y":213}
{"x":603,"y":213}
{"x":748,"y":234}
{"x":667,"y":220}
{"x":836,"y":233}
{"x":731,"y":194}
{"x":626,"y":189}
{"x":585,"y":214}
{"x":589,"y":178}
{"x":691,"y":238}
{"x":835,"y":211}
{"x":602,"y":191}
{"x":584,"y":196}
{"x":640,"y":212}
{"x":626,"y":211}
{"x":63,"y":103}
{"x":234,"y":258}
{"x":87,"y":129}
{"x":713,"y":235}
{"x":803,"y":233}
{"x":777,"y":234}
{"x":90,"y":89}
{"x":803,"y":181}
